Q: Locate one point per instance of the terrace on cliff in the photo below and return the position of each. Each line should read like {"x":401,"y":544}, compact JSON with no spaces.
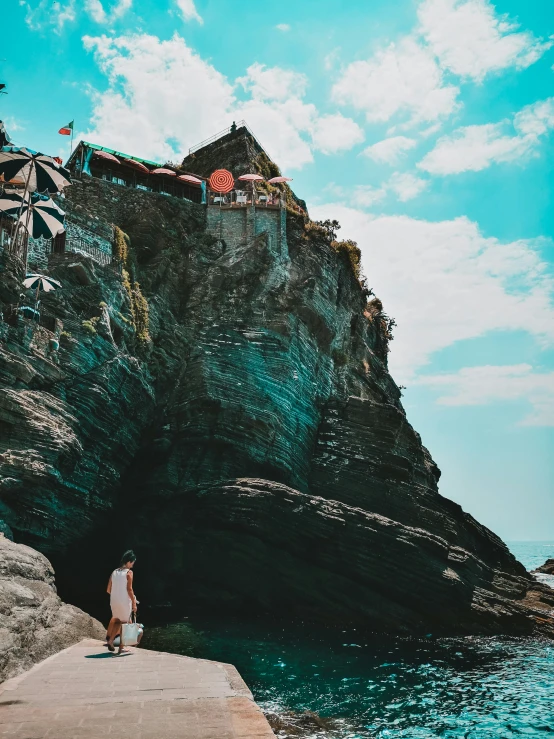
{"x":223,"y":404}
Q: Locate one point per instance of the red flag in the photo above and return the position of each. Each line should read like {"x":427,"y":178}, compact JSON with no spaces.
{"x":67,"y":130}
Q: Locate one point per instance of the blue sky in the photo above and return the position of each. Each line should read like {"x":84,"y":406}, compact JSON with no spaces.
{"x":424,"y":126}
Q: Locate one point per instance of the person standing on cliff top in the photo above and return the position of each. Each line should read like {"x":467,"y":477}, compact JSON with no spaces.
{"x":122,"y":599}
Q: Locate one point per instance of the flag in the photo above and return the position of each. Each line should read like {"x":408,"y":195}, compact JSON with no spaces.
{"x":67,"y":130}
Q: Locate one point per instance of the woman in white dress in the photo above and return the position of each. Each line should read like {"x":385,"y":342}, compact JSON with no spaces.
{"x":122,"y":599}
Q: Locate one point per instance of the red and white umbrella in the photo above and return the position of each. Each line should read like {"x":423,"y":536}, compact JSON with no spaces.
{"x":278,"y":180}
{"x":251,"y":178}
{"x":222,"y":181}
{"x":189,"y":178}
{"x":164,"y":170}
{"x":106,"y":155}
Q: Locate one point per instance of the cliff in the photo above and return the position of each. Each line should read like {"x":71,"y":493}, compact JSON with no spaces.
{"x":222,"y":403}
{"x":34,"y":623}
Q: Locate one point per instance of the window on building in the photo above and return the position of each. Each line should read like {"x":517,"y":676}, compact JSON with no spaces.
{"x":118,"y":180}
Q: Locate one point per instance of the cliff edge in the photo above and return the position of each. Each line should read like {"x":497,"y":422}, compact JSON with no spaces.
{"x":220,"y":399}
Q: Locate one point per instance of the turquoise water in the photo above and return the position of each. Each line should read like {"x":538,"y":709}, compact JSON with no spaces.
{"x":475,"y":688}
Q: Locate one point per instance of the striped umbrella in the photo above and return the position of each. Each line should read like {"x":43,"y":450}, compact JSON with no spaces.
{"x":251,"y":177}
{"x":10,"y":203}
{"x":163,"y":170}
{"x":39,"y":215}
{"x":36,"y":171}
{"x":222,"y":181}
{"x":277,"y":180}
{"x":41,"y":282}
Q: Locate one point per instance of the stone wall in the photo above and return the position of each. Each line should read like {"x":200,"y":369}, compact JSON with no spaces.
{"x":235,"y":227}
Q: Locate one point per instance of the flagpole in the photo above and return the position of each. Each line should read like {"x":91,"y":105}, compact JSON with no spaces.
{"x":71,"y":144}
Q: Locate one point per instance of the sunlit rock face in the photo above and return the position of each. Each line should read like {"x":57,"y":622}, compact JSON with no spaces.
{"x":34,"y":623}
{"x":253,"y":449}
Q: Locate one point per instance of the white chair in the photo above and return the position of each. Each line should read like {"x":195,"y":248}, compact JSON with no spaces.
{"x":241,"y":199}
{"x":262,"y":199}
{"x":219,"y":200}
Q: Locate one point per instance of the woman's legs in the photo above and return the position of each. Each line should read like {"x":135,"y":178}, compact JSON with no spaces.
{"x":114,"y":628}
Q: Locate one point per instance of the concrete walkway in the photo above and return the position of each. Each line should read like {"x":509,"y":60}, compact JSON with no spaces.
{"x":84,"y":692}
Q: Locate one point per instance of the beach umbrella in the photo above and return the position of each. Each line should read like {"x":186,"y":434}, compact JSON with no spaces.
{"x":106,"y":155}
{"x":190,"y":178}
{"x":222,"y":181}
{"x":41,"y":282}
{"x":11,"y":203}
{"x":278,"y":180}
{"x":39,"y":214}
{"x":251,"y":177}
{"x":36,"y":171}
{"x":164,"y":170}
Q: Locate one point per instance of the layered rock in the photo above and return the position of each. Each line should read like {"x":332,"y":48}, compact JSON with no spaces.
{"x":252,"y":446}
{"x":34,"y":623}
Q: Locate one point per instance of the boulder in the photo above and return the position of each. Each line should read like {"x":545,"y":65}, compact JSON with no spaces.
{"x":34,"y":622}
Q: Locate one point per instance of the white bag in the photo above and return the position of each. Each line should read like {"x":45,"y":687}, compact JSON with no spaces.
{"x":130,"y":633}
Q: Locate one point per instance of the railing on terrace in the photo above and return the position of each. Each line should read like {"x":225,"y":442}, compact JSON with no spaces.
{"x":216,"y":136}
{"x":80,"y":246}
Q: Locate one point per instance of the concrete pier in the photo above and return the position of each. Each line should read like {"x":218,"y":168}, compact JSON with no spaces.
{"x":85,"y":692}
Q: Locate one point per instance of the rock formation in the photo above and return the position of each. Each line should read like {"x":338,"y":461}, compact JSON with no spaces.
{"x":34,"y":623}
{"x":547,"y":568}
{"x":224,"y":406}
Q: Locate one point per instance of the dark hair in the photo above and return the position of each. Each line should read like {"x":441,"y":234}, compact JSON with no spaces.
{"x":128,"y":556}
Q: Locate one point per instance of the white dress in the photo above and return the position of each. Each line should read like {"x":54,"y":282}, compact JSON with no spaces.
{"x":119,"y":597}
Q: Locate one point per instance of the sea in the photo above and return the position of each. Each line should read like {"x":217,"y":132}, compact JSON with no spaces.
{"x":340,"y":684}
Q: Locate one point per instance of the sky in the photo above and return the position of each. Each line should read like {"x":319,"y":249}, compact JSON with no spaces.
{"x":425,"y":127}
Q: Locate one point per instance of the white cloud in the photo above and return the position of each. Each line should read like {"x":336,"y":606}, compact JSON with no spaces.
{"x":403,"y":78}
{"x":389,"y":150}
{"x":473,"y":148}
{"x":273,"y":83}
{"x":490,"y":383}
{"x":188,"y":10}
{"x":283,"y":27}
{"x":364,"y":196}
{"x":49,"y":13}
{"x":406,"y":186}
{"x":331,"y":58}
{"x":445,"y":282}
{"x":471,"y":40}
{"x":96,"y":11}
{"x":334,"y":133}
{"x":141,"y":113}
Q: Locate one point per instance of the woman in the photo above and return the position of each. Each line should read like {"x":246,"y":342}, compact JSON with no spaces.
{"x":122,"y":599}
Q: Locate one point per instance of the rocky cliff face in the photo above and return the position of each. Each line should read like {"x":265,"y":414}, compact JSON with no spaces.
{"x":34,"y":623}
{"x":249,"y":443}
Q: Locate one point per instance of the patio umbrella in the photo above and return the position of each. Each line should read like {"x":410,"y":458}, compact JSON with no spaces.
{"x":35,"y":170}
{"x":190,"y":178}
{"x":251,"y":177}
{"x":278,"y":180}
{"x":10,"y":203}
{"x":38,"y":282}
{"x":39,"y":214}
{"x":222,"y":181}
{"x":164,"y":170}
{"x":106,"y":155}
{"x":135,"y":164}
